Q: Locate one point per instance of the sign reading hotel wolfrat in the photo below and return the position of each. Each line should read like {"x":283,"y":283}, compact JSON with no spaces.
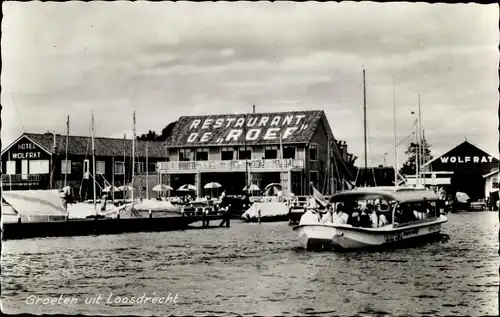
{"x":25,"y":150}
{"x":252,"y":128}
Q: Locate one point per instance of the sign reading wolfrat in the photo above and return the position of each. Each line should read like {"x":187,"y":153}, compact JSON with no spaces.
{"x":466,"y":159}
{"x":252,"y":128}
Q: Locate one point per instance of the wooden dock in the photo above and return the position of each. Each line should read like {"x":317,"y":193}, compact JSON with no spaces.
{"x":96,"y":226}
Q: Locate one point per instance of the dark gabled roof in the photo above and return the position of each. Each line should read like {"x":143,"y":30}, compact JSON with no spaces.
{"x":467,"y":147}
{"x":219,"y":127}
{"x":82,"y":145}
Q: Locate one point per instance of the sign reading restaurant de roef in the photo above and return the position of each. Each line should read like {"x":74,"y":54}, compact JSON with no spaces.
{"x":251,"y":128}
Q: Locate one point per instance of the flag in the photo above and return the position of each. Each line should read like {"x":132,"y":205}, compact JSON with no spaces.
{"x":320,"y":199}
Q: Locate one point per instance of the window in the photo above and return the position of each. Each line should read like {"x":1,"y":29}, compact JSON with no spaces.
{"x":494,"y":182}
{"x":86,"y":169}
{"x":152,"y":167}
{"x":185,"y":155}
{"x":313,"y":152}
{"x":313,"y":178}
{"x":244,"y":155}
{"x":202,"y":154}
{"x":271,"y":152}
{"x":11,"y":168}
{"x":40,"y":167}
{"x":288,"y":152}
{"x":226,"y":154}
{"x":100,"y":167}
{"x":119,"y":168}
{"x":65,"y":169}
{"x":139,"y":167}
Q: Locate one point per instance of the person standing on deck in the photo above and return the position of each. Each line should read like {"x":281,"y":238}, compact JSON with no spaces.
{"x":66,"y":196}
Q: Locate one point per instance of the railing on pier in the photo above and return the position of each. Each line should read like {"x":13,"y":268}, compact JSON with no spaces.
{"x":24,"y":180}
{"x":231,"y":165}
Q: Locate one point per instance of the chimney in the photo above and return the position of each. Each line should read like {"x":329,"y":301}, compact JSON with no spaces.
{"x":253,"y":108}
{"x":54,"y":138}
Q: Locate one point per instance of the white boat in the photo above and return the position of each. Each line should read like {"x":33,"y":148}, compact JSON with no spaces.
{"x":421,"y":208}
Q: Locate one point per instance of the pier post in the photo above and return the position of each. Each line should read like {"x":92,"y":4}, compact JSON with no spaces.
{"x":150,"y":214}
{"x":258,"y":215}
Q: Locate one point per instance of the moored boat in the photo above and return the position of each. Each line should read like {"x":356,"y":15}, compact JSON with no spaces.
{"x":412,"y":215}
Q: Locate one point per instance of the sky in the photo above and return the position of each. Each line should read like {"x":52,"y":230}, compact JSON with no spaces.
{"x":165,"y":60}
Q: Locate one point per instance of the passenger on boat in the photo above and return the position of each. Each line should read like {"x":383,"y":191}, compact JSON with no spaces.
{"x":311,"y":216}
{"x":380,"y":219}
{"x":328,"y":217}
{"x":364,"y":218}
{"x":354,"y":216}
{"x":341,"y":216}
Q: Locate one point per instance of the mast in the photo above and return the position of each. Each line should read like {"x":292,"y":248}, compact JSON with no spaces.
{"x":364,"y":121}
{"x":247,"y":178}
{"x":422,"y":150}
{"x":133,"y":160}
{"x":281,"y":163}
{"x":395,"y":134}
{"x":124,"y":159}
{"x":417,"y":154}
{"x":113,"y":178}
{"x":93,"y":163}
{"x":147,"y":172}
{"x":66,"y":163}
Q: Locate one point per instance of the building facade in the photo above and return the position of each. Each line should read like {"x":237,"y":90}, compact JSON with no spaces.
{"x":491,"y":186}
{"x":289,"y":148}
{"x":460,"y":169}
{"x":38,"y":161}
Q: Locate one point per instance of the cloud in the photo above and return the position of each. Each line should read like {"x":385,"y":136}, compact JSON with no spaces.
{"x":170,"y":59}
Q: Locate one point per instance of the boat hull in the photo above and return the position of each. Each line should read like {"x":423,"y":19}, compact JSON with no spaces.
{"x":82,"y":227}
{"x":344,"y":237}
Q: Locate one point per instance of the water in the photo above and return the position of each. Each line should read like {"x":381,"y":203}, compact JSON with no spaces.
{"x":252,"y":269}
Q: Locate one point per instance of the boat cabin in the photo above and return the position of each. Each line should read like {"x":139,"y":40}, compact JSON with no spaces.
{"x":397,"y":208}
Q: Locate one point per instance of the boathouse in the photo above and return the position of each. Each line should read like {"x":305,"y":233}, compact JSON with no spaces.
{"x":38,"y":161}
{"x":460,"y":169}
{"x":288,"y":148}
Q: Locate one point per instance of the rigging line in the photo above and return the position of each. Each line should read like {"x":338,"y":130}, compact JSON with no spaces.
{"x":17,"y":112}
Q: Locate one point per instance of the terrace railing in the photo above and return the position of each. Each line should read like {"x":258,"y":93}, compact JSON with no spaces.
{"x":231,"y":165}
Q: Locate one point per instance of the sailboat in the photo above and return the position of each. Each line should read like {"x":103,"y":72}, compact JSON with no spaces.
{"x":144,"y":208}
{"x":408,"y":216}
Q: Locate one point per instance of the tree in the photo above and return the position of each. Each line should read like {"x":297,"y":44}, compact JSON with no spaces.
{"x":150,"y":136}
{"x":165,"y":134}
{"x":409,"y":166}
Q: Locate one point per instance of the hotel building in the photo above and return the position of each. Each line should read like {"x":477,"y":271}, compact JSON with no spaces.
{"x":38,"y":161}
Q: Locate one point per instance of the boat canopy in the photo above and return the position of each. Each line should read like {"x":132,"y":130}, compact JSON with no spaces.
{"x":389,"y":195}
{"x":35,"y":202}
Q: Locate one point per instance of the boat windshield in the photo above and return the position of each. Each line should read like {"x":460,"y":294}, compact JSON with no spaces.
{"x":416,"y":211}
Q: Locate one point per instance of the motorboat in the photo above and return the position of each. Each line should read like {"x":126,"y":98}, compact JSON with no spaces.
{"x":412,"y":216}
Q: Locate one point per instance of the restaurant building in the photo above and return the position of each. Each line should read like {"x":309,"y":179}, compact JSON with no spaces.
{"x":289,"y":148}
{"x":460,"y":169}
{"x":38,"y":161}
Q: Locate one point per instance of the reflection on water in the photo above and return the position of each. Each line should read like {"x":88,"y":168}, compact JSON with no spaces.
{"x":252,"y":269}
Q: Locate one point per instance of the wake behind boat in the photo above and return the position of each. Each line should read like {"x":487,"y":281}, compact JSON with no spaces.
{"x":409,"y":216}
